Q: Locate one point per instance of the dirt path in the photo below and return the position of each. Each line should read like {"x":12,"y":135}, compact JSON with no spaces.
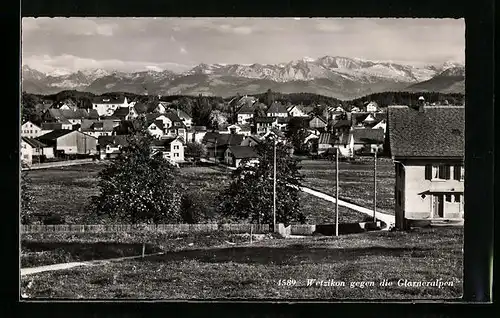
{"x":386,"y":218}
{"x":60,"y":164}
{"x":57,"y":267}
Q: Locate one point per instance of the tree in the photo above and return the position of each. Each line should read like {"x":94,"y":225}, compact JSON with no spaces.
{"x":195,"y":150}
{"x":250,"y":193}
{"x":270,"y":98}
{"x":139,"y":186}
{"x":27,"y":199}
{"x":217,"y":119}
{"x":297,"y":134}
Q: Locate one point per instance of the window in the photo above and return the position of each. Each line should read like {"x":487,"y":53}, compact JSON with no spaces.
{"x":176,"y":154}
{"x":428,"y":172}
{"x":448,"y":197}
{"x":176,"y":147}
{"x":458,"y":198}
{"x":457,"y":172}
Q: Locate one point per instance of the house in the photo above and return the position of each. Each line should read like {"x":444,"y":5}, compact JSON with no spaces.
{"x":32,"y":148}
{"x":172,"y":148}
{"x":367,"y":140}
{"x":28,"y":129}
{"x":277,"y":110}
{"x":381,"y":125}
{"x":68,"y":104}
{"x":371,"y":107}
{"x":427,"y":146}
{"x":282,"y":123}
{"x":166,"y":124}
{"x":186,"y":119}
{"x":341,"y":126}
{"x":237,"y":129}
{"x":217,"y":143}
{"x":161,"y":107}
{"x":75,"y":117}
{"x":296,"y":111}
{"x":70,"y":142}
{"x":245,"y":113}
{"x":106,"y":105}
{"x":355,"y":109}
{"x":325,"y":142}
{"x":367,"y":120}
{"x":48,"y":127}
{"x":122,"y":113}
{"x":135,"y":109}
{"x":110,"y":147}
{"x":344,"y":143}
{"x":235,"y":154}
{"x":318,"y":122}
{"x":263,"y":124}
{"x":98,"y":128}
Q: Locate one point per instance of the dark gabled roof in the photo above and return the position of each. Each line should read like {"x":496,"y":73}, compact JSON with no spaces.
{"x":326,"y":138}
{"x":182,"y":114}
{"x":108,"y":100}
{"x":368,"y":136}
{"x":173,"y":116}
{"x":121,"y":112}
{"x":223,"y":139}
{"x":51,"y":126}
{"x":53,"y":135}
{"x":277,"y":108}
{"x":151,"y":118}
{"x":438,"y":131}
{"x":342,"y":123}
{"x":121,"y":140}
{"x":91,"y":125}
{"x":243,"y":152}
{"x":246,"y":109}
{"x":33,"y":142}
{"x":320,"y":118}
{"x":159,"y":124}
{"x":264,"y":119}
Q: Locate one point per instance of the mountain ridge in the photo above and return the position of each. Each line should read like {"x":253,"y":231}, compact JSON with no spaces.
{"x":335,"y":76}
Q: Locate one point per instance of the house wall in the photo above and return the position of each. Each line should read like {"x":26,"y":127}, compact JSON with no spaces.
{"x":26,"y":153}
{"x":97,"y":133}
{"x":48,"y":152}
{"x":177,"y":151}
{"x":277,"y":114}
{"x":317,"y":123}
{"x":77,"y":143}
{"x":243,"y":118}
{"x":416,"y":201}
{"x":296,"y":112}
{"x":30,"y":130}
{"x":323,"y":147}
{"x":155,"y":131}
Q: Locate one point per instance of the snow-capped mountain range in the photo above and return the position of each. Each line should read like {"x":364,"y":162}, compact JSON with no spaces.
{"x":339,"y":77}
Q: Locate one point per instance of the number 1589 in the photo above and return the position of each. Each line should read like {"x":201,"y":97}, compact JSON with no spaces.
{"x":287,"y":282}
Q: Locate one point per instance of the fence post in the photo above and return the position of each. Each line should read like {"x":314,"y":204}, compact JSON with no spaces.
{"x":143,"y":249}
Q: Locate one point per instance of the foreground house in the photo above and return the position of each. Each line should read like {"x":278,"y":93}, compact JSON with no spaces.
{"x":427,"y":146}
{"x":28,"y":129}
{"x":70,"y":142}
{"x":235,"y":154}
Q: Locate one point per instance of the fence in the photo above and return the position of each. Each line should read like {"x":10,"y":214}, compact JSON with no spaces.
{"x":165,"y":228}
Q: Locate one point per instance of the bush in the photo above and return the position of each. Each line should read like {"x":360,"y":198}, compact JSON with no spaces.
{"x":195,"y":207}
{"x":53,"y":219}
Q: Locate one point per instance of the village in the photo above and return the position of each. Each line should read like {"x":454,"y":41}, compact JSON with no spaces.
{"x":246,"y":158}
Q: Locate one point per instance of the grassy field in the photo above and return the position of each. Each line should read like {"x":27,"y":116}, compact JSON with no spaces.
{"x":254,"y":271}
{"x":355,"y":179}
{"x":66,"y":191}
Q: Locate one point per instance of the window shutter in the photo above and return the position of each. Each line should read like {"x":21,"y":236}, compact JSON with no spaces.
{"x":456,"y":172}
{"x":448,"y":172}
{"x":428,"y":172}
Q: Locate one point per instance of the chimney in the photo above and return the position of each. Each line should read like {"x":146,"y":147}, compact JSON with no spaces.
{"x":421,"y":104}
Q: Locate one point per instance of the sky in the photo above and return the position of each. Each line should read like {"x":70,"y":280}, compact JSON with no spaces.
{"x":177,"y":44}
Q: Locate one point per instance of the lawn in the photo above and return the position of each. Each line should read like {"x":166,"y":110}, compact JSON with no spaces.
{"x":355,"y":179}
{"x":254,"y":271}
{"x":66,"y":191}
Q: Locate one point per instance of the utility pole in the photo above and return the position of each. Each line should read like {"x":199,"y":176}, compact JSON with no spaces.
{"x":215,"y":151}
{"x":375,"y":186}
{"x":337,"y":191}
{"x":274,"y":187}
